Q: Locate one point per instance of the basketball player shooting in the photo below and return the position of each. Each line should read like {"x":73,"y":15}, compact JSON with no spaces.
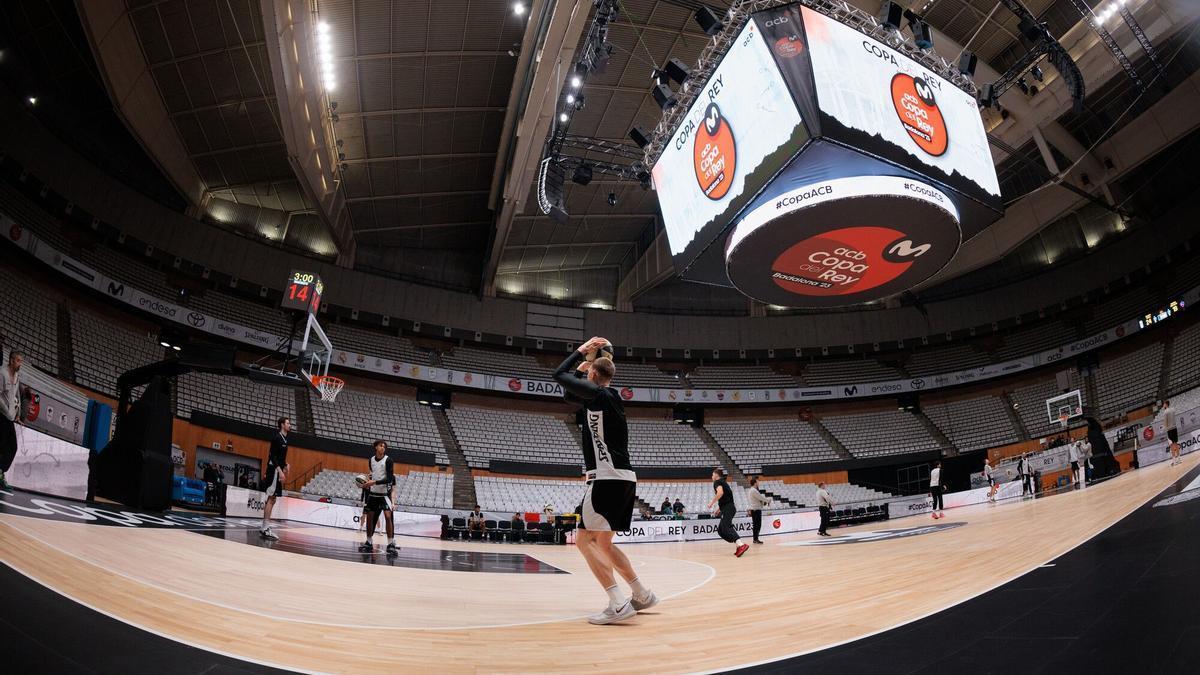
{"x":378,"y":500}
{"x":607,"y":506}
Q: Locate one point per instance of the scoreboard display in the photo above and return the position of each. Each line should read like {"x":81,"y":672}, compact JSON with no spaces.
{"x":303,"y":292}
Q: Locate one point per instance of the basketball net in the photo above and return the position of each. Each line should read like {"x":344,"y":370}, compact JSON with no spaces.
{"x":1064,"y":420}
{"x":328,"y":386}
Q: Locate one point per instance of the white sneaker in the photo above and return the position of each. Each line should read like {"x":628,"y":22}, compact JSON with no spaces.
{"x":641,"y":605}
{"x":610,"y":615}
{"x":268,"y":533}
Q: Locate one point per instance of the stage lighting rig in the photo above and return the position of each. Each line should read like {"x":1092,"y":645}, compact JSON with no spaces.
{"x":1096,"y":23}
{"x":1041,"y":44}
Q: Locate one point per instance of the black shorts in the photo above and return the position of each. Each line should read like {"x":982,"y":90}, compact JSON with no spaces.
{"x":376,"y":503}
{"x":8,"y":437}
{"x":608,"y":505}
{"x":272,"y":482}
{"x":1074,"y":466}
{"x":1173,"y":434}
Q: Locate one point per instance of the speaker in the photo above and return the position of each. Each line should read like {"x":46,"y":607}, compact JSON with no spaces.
{"x":640,"y":136}
{"x":583,"y":174}
{"x":891,"y":14}
{"x":677,"y":71}
{"x":709,"y":23}
{"x":922,"y":35}
{"x":664,"y":97}
{"x":134,"y":469}
{"x":967,"y":63}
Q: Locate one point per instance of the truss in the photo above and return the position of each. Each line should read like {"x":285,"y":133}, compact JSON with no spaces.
{"x":1089,"y":17}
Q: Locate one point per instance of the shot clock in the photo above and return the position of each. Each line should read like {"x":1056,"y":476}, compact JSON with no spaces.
{"x":303,"y":292}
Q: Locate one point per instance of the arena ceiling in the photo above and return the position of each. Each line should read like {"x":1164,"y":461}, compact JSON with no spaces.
{"x":431,"y":98}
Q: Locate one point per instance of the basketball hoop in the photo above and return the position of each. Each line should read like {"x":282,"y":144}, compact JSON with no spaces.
{"x":328,"y":386}
{"x":1064,"y":420}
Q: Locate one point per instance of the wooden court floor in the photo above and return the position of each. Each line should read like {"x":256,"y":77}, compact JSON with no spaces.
{"x":782,"y":599}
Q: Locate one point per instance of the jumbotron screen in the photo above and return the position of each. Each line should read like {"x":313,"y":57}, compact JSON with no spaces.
{"x":742,"y":128}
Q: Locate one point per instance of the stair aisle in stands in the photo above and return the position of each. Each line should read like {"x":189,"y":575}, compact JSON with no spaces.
{"x":1013,"y":417}
{"x":464,"y":484}
{"x":832,"y":440}
{"x":734,"y":471}
{"x":948,"y":448}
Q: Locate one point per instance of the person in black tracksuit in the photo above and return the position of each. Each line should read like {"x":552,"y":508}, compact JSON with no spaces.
{"x":723,"y":498}
{"x":608,"y":504}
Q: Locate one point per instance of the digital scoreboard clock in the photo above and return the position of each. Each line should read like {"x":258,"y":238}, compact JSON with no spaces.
{"x":1175,"y":307}
{"x":303,"y":292}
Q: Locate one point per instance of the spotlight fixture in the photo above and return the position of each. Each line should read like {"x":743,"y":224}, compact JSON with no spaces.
{"x":563,"y":117}
{"x":32,"y":100}
{"x":325,"y":52}
{"x":612,"y":199}
{"x":570,"y":98}
{"x":663,"y":96}
{"x":518,"y":8}
{"x":1023,"y":85}
{"x":640,"y":136}
{"x":582,"y":174}
{"x":576,"y":81}
{"x":643,"y":177}
{"x":579,"y":103}
{"x":1037,"y":73}
{"x":709,"y":23}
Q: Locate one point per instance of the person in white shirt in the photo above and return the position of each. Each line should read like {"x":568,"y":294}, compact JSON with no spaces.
{"x":1168,"y":417}
{"x":1073,"y":458}
{"x":1025,"y":474}
{"x":989,"y":475}
{"x":935,"y":490}
{"x":758,"y":502}
{"x":10,"y":412}
{"x":825,"y":505}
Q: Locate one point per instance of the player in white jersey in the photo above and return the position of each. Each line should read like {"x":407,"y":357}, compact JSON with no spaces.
{"x":378,"y":498}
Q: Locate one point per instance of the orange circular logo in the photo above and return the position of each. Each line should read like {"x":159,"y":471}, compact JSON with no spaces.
{"x":715,"y":154}
{"x":918,"y":111}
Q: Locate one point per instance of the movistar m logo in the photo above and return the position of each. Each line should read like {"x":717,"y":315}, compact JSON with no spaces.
{"x":905,"y":249}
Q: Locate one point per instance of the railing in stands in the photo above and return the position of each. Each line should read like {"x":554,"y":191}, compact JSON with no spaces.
{"x":300,"y":482}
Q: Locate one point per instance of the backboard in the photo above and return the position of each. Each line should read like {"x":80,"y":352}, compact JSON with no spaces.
{"x":1068,"y":406}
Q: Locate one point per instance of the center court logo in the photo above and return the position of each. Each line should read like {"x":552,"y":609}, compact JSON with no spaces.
{"x":878,"y":535}
{"x":715,"y":154}
{"x":917,"y":108}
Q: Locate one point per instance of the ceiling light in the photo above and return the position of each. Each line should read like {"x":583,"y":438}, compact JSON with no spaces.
{"x":570,"y":98}
{"x":576,"y":81}
{"x":165,"y":343}
{"x":563,"y":117}
{"x":32,"y":100}
{"x":518,"y":8}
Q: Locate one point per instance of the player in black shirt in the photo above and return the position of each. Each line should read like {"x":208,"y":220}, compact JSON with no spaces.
{"x":276,"y":473}
{"x":723,"y":498}
{"x":607,"y":506}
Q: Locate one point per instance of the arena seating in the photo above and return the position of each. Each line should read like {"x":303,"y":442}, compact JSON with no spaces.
{"x":739,"y":377}
{"x":374,"y":343}
{"x":1185,"y":360}
{"x":630,"y":374}
{"x":18,"y":207}
{"x":694,"y":495}
{"x":256,"y":315}
{"x":753,"y":444}
{"x":665,"y":443}
{"x":124,"y":269}
{"x":234,"y":398}
{"x":417,"y":488}
{"x":1129,"y":381}
{"x":485,"y":434}
{"x":103,"y":350}
{"x":1113,"y":310}
{"x":28,"y":321}
{"x":975,"y":423}
{"x":885,"y":432}
{"x":1034,"y":339}
{"x":364,"y":417}
{"x":851,"y":370}
{"x":495,"y":361}
{"x":945,"y":359}
{"x":519,"y":495}
{"x":806,"y":493}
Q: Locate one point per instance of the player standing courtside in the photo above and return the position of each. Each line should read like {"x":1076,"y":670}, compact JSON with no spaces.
{"x":935,"y":490}
{"x":989,"y":475}
{"x":379,"y":498}
{"x":723,"y":498}
{"x":607,"y":506}
{"x":1168,"y":418}
{"x":277,"y":471}
{"x":10,"y":412}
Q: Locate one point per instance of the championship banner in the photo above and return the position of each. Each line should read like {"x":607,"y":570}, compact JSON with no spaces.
{"x":549,"y":389}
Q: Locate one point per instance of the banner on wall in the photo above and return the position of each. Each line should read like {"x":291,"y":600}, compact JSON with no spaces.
{"x":48,"y":464}
{"x":1161,"y":450}
{"x":243,"y":503}
{"x":646,"y":531}
{"x":546,"y":388}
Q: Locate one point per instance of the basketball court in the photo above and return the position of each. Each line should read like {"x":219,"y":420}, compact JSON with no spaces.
{"x":310,"y":602}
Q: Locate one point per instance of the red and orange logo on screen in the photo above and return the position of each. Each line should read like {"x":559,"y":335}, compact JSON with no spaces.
{"x":715,"y":154}
{"x":918,"y":112}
